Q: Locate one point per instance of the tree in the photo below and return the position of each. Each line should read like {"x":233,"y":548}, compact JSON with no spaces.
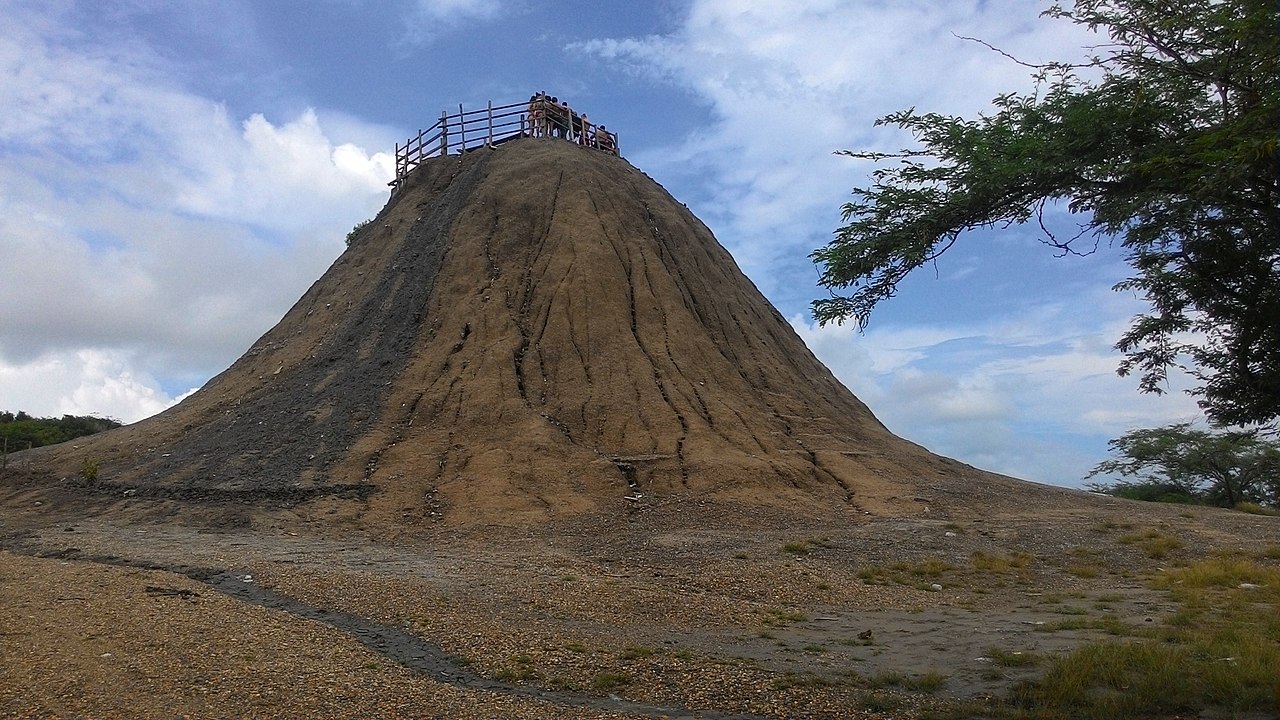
{"x":1165,"y":143}
{"x":21,"y":431}
{"x":1222,"y":468}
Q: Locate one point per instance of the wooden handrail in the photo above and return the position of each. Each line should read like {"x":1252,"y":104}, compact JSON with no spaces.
{"x":486,"y":127}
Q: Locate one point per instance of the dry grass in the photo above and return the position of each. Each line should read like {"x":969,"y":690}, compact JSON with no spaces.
{"x":1256,"y":509}
{"x":1157,"y":544}
{"x":1220,"y":650}
{"x":1001,"y":564}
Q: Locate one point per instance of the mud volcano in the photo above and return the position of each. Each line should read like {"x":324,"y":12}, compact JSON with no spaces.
{"x":529,"y":331}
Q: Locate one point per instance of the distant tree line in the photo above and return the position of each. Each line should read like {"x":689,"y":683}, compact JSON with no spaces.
{"x":1183,"y":463}
{"x":20,"y":430}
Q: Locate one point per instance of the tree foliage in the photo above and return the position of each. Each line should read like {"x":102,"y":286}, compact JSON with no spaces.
{"x":1165,"y":143}
{"x":1179,"y":461}
{"x":20,"y":431}
{"x":355,"y":231}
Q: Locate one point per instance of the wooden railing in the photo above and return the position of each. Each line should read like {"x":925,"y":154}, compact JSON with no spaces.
{"x":487,"y":127}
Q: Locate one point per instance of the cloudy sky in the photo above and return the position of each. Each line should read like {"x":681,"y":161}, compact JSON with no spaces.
{"x":174,"y":175}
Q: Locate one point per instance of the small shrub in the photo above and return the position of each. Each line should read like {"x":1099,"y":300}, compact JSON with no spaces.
{"x":635,"y":653}
{"x":560,"y":683}
{"x":796,"y":547}
{"x":879,"y":702}
{"x":1255,"y":509}
{"x":1000,"y":564}
{"x":89,"y":470}
{"x":609,"y":680}
{"x":901,"y":573}
{"x":355,"y":231}
{"x":929,"y":682}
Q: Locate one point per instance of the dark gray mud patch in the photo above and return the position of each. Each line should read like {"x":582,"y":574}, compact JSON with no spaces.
{"x":282,"y":496}
{"x":397,"y":644}
{"x":390,"y":641}
{"x":309,"y":416}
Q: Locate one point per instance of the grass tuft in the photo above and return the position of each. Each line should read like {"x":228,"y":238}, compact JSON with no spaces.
{"x":1004,"y":658}
{"x":636,"y":653}
{"x":796,"y":547}
{"x":609,"y":680}
{"x":1219,"y":650}
{"x":1255,"y":509}
{"x":1157,"y":544}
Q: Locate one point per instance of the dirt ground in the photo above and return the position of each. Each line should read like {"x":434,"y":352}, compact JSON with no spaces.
{"x":685,"y":612}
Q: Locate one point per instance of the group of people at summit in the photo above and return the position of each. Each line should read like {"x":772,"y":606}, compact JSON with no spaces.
{"x":549,"y":117}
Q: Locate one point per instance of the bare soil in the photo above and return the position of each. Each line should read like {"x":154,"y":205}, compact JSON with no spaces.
{"x":650,"y":616}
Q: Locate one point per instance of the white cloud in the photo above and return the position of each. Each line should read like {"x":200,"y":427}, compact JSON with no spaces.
{"x":449,"y":10}
{"x":790,"y":83}
{"x":428,"y":19}
{"x":1039,"y":410}
{"x":86,"y":382}
{"x":148,"y":237}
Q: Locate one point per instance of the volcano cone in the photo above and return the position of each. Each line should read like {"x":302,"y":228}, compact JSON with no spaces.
{"x":526,"y":331}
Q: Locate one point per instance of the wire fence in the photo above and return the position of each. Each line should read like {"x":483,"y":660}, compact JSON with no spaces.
{"x":495,"y":124}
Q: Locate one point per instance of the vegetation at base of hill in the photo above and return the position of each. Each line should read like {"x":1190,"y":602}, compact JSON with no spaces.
{"x":1219,"y":649}
{"x":1216,"y":652}
{"x":1181,"y":463}
{"x":20,"y":430}
{"x":1164,"y":141}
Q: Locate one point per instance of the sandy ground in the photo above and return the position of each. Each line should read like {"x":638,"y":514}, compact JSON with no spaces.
{"x":594,"y":618}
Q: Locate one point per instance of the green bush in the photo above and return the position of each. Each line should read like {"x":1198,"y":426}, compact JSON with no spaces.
{"x":355,"y":231}
{"x":20,"y":430}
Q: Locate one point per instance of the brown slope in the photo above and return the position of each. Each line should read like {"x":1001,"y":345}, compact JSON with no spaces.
{"x":530,"y":330}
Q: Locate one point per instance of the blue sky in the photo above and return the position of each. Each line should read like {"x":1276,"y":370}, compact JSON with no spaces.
{"x":174,"y":175}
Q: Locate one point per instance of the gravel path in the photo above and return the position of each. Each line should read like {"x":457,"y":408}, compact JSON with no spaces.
{"x":127,"y":620}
